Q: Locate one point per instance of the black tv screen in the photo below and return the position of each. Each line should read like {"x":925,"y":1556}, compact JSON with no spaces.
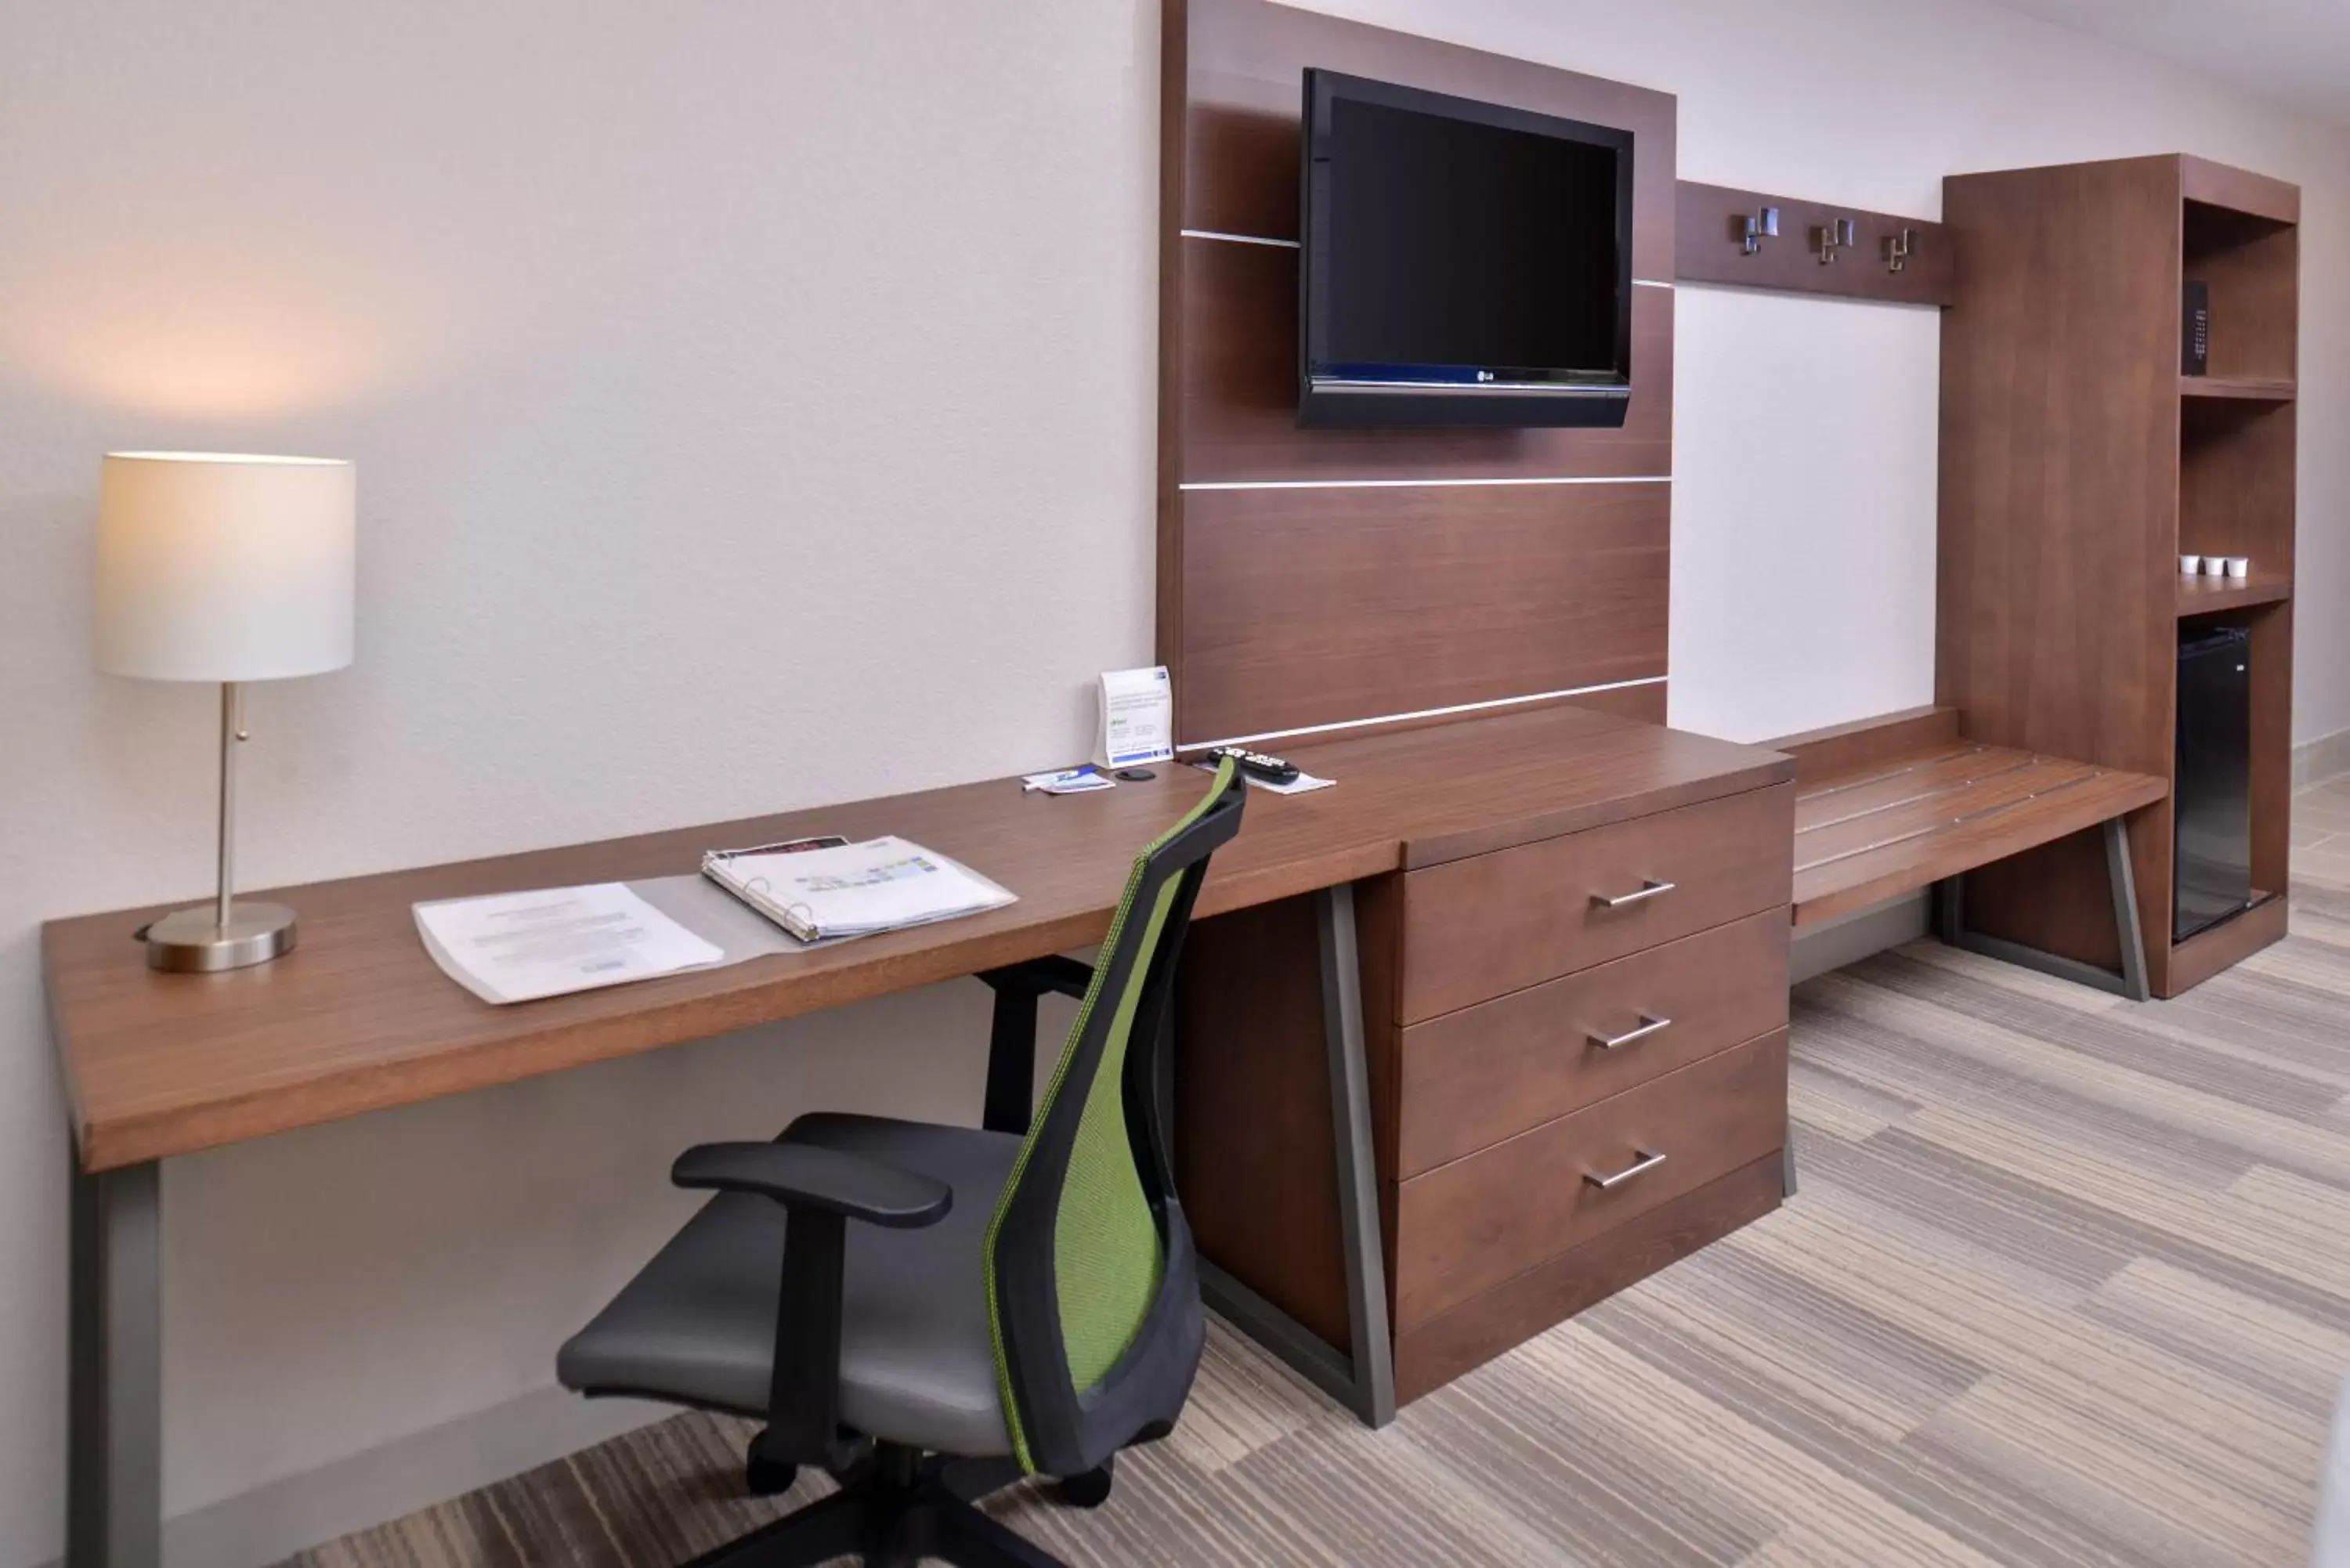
{"x":1465,"y":263}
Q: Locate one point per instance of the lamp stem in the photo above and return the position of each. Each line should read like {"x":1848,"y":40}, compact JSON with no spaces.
{"x":231,"y":732}
{"x":220,"y":935}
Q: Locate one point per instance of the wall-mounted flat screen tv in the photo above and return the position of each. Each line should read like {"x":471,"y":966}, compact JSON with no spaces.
{"x":1464,"y":262}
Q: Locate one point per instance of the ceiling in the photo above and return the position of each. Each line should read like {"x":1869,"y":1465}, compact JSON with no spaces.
{"x":2297,"y":51}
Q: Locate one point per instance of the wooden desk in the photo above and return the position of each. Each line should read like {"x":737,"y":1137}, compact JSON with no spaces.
{"x":358,"y":1019}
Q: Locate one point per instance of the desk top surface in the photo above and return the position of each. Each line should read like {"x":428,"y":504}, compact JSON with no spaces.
{"x":357,"y":1017}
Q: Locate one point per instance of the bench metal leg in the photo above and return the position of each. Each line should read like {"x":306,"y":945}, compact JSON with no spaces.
{"x":1364,"y":1381}
{"x":114,"y":1436}
{"x":1950,"y":926}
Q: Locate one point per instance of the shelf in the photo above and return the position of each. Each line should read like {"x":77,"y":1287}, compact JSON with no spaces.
{"x":2249,"y":389}
{"x":2203,"y":596}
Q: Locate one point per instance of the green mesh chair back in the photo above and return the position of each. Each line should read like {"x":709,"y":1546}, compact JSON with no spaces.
{"x":1092,"y":1284}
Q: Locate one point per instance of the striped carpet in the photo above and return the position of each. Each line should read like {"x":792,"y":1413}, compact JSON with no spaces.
{"x":2066,"y":1283}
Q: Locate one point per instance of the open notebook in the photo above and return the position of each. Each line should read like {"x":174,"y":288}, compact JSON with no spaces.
{"x":852,"y":889}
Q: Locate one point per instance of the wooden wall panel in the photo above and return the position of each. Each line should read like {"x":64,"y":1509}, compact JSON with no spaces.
{"x":1239,"y":386}
{"x":1246,"y":61}
{"x":1369,"y":595}
{"x":1646,"y":703}
{"x":1309,"y":606}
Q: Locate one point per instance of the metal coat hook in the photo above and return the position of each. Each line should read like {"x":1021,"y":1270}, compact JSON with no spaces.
{"x":1898,"y":248}
{"x":1832,"y":237}
{"x":1750,"y":231}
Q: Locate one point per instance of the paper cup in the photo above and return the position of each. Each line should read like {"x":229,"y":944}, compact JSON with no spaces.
{"x":2189,"y":566}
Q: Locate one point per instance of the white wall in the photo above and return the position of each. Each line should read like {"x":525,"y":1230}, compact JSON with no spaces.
{"x":1804,"y":456}
{"x":679,"y":347}
{"x":752,"y":408}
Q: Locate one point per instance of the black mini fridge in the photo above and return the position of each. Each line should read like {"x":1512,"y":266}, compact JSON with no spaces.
{"x":2211,"y":799}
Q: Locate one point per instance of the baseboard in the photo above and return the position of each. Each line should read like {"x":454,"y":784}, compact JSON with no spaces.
{"x":272,"y":1522}
{"x":1848,"y":939}
{"x":2315,"y":761}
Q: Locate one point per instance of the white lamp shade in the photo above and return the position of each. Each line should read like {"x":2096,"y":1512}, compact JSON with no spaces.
{"x":219,"y":568}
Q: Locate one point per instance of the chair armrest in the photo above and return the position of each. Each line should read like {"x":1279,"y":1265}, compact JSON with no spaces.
{"x":802,"y":1176}
{"x":1012,"y":1037}
{"x":824,"y":1189}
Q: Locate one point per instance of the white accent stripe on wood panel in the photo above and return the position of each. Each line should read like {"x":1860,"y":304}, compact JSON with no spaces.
{"x":1237,"y":239}
{"x":1422,"y":713}
{"x":1420,"y":484}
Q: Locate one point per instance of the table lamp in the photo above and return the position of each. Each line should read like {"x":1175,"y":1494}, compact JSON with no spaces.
{"x":223,"y":568}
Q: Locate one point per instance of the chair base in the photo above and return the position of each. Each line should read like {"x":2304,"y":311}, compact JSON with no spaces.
{"x":894,"y":1512}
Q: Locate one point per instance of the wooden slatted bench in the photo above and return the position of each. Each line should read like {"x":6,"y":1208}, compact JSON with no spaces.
{"x":1903,"y":803}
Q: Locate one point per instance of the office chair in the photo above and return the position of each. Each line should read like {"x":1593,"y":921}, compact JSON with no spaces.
{"x":1003,"y":1306}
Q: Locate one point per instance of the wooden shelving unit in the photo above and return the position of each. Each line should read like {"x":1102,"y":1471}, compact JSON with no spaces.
{"x":2078,"y":465}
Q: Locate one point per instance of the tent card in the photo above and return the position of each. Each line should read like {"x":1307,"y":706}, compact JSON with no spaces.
{"x":1137,"y":718}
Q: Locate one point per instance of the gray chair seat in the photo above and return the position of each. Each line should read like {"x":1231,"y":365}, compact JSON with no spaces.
{"x":697,"y":1325}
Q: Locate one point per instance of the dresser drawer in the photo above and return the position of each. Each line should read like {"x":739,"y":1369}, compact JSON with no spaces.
{"x":1492,"y":924}
{"x":1466,"y":1226}
{"x":1486,"y":1073}
{"x":1491,"y":1322}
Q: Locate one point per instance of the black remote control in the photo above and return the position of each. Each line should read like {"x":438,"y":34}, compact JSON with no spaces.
{"x":1259,"y":766}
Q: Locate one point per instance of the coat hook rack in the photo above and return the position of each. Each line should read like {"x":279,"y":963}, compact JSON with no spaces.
{"x":1829,"y":238}
{"x":1708,"y":215}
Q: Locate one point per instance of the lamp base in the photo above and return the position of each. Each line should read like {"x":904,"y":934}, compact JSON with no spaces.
{"x":191,"y":942}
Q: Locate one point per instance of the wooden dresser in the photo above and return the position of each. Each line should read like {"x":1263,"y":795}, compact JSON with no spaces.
{"x":1578,"y":1050}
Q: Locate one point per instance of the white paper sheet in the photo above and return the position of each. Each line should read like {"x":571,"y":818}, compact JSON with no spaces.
{"x":1304,"y":784}
{"x":1068,"y":781}
{"x":518,"y":947}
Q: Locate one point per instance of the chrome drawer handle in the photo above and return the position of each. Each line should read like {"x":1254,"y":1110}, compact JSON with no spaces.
{"x":1650,"y":1024}
{"x":1649,"y":1160}
{"x":1649,"y":890}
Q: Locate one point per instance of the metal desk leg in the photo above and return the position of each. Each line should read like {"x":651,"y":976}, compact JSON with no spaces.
{"x":1364,"y":1381}
{"x":114,"y":1445}
{"x":1950,"y":926}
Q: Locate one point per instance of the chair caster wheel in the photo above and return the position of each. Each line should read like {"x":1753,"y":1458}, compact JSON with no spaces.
{"x":768,"y":1478}
{"x":1090,"y":1490}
